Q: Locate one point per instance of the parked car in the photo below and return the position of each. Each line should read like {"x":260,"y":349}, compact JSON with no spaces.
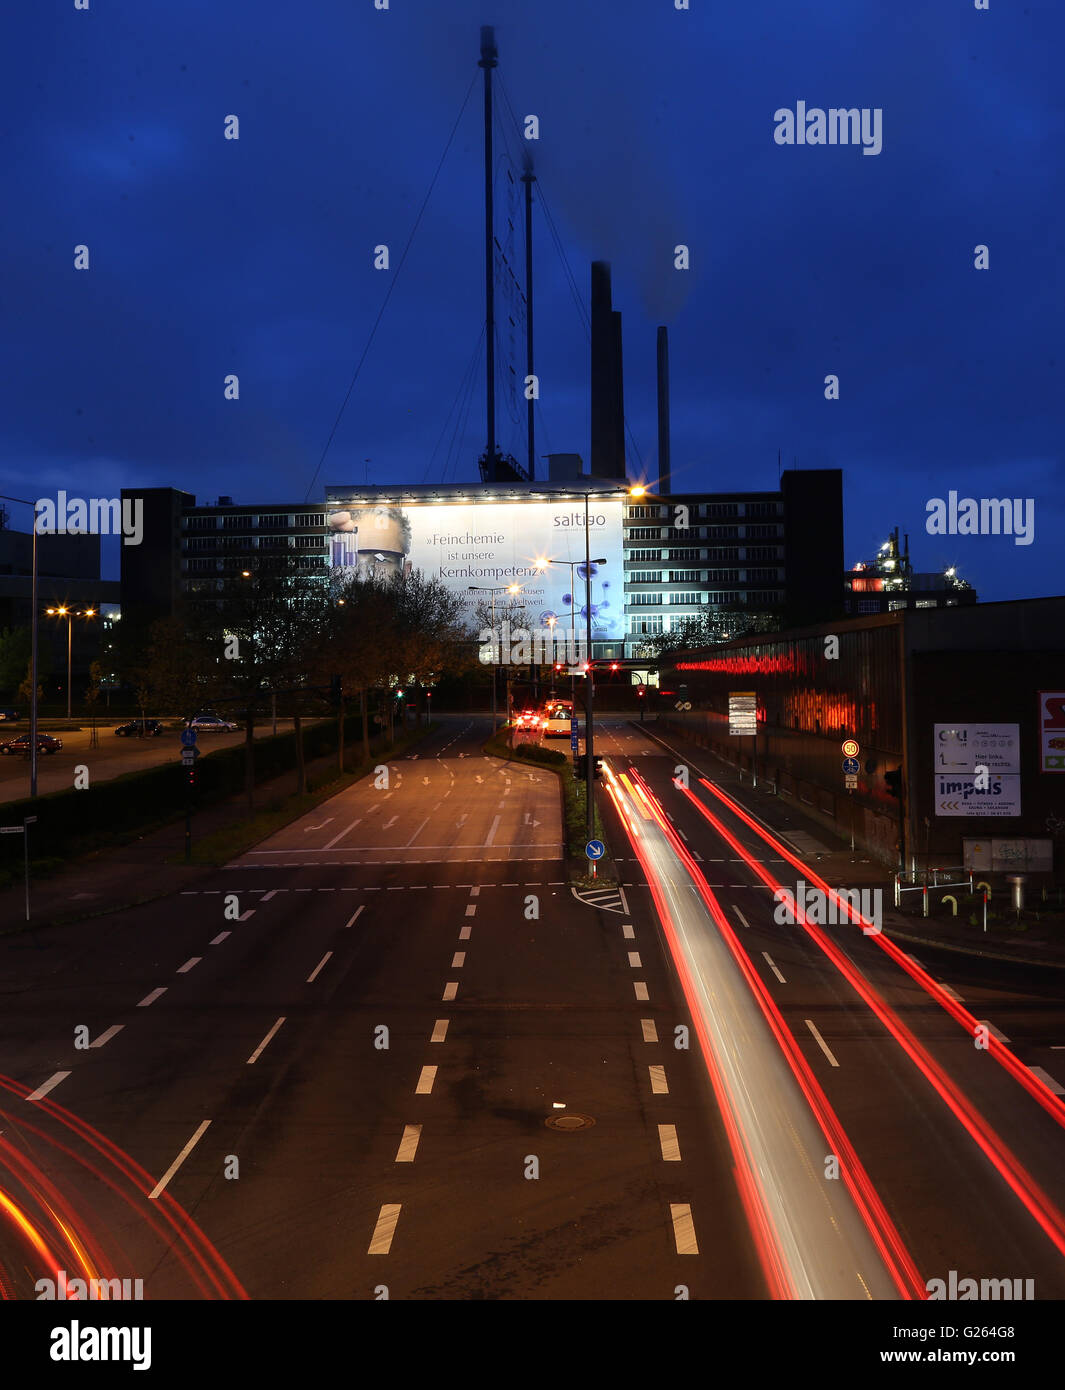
{"x":46,"y":743}
{"x":7,"y":716}
{"x":211,"y":724}
{"x":140,"y":728}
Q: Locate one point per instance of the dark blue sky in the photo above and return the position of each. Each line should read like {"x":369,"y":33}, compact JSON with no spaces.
{"x":255,"y":256}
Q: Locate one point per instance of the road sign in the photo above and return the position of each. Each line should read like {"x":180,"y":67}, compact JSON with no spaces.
{"x":962,"y":796}
{"x":188,"y":738}
{"x":850,"y":781}
{"x":595,"y":849}
{"x":574,"y":742}
{"x":850,"y":765}
{"x":189,"y":755}
{"x":851,"y":748}
{"x":12,"y":829}
{"x":965,"y":747}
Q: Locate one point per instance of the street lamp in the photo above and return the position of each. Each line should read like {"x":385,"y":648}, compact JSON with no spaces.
{"x":501,"y":589}
{"x":70,"y":614}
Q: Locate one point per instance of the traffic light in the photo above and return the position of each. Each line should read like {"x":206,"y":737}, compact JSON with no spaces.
{"x":399,"y":694}
{"x":893,"y":778}
{"x":580,"y":767}
{"x":599,"y":767}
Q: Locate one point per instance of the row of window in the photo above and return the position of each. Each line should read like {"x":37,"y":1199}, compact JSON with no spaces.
{"x":729,"y":576}
{"x":711,"y":533}
{"x":192,"y":544}
{"x":640,"y":512}
{"x":253,"y":520}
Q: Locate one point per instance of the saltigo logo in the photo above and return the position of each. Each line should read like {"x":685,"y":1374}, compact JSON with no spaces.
{"x":90,"y":516}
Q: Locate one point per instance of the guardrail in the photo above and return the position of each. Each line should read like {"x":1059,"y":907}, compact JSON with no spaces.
{"x":925,"y":888}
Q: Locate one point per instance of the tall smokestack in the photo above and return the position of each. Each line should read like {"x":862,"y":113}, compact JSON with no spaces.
{"x":602,"y":373}
{"x":617,"y":385}
{"x":663,"y":411}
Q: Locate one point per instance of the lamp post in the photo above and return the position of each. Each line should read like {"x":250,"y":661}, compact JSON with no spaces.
{"x":502,"y":589}
{"x":33,"y":639}
{"x":70,"y":614}
{"x":589,"y":734}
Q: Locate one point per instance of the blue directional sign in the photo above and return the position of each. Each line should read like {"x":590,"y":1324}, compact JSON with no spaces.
{"x":595,"y":849}
{"x":850,"y":765}
{"x":188,"y":737}
{"x":574,"y":742}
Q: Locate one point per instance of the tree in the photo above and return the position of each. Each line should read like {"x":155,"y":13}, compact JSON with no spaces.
{"x":14,"y":656}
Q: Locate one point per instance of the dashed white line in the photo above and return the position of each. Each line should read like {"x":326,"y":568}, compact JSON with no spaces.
{"x":650,"y":1032}
{"x":440,"y":1030}
{"x":634,"y":960}
{"x":52,"y":1082}
{"x":821,"y":1042}
{"x":178,"y":1161}
{"x":217,"y":940}
{"x":151,"y":998}
{"x":683,"y":1228}
{"x":471,"y":909}
{"x":740,"y":915}
{"x":425,"y":1081}
{"x":464,"y":933}
{"x":272,"y":893}
{"x":258,"y":1051}
{"x":774,"y":969}
{"x":667,"y":1137}
{"x":192,"y":960}
{"x":458,"y":960}
{"x":450,"y":990}
{"x":354,"y":916}
{"x":628,"y":931}
{"x":408,"y":1145}
{"x":1048,"y":1080}
{"x":659,"y":1086}
{"x":314,"y":972}
{"x":381,"y":1240}
{"x":245,"y":915}
{"x":641,"y":991}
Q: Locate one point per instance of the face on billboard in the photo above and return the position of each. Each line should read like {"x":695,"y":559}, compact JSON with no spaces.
{"x":493,"y":545}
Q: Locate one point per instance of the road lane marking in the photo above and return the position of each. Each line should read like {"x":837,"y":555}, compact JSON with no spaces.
{"x":192,"y":960}
{"x":314,"y":972}
{"x":425,"y":1081}
{"x":151,"y":998}
{"x":337,"y":838}
{"x":381,"y":1240}
{"x":474,"y":890}
{"x":250,"y":913}
{"x":634,"y":960}
{"x":947,"y":990}
{"x":740,"y":915}
{"x":440,"y":1030}
{"x":388,"y":824}
{"x":1048,"y":1080}
{"x":308,"y":828}
{"x":659,"y":1086}
{"x":821,"y":1042}
{"x":458,"y":960}
{"x":641,"y":991}
{"x":272,"y":893}
{"x":464,"y":933}
{"x":492,"y":832}
{"x":667,"y":1137}
{"x":650,"y":1032}
{"x":992,"y":1030}
{"x":471,"y":909}
{"x":217,"y":940}
{"x":628,"y":931}
{"x":258,"y":1051}
{"x":408,"y":1145}
{"x":421,"y":827}
{"x":450,"y":990}
{"x":683,"y":1228}
{"x":354,"y":916}
{"x":106,"y":1037}
{"x":49,"y":1085}
{"x":178,"y":1161}
{"x":774,"y":969}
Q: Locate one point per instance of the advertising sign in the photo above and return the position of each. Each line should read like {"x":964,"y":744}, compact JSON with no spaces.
{"x":742,"y":712}
{"x":491,"y":545}
{"x":964,"y":747}
{"x":962,"y":796}
{"x":1051,"y":731}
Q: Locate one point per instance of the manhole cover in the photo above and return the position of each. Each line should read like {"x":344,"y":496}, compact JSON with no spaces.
{"x":569,"y":1124}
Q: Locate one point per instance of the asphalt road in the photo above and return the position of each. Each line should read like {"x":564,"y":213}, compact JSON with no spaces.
{"x":340,"y":1057}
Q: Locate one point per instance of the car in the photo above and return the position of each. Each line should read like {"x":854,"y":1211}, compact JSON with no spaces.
{"x":46,"y":743}
{"x":211,"y":724}
{"x":7,"y":716}
{"x":140,"y":728}
{"x":526,"y":719}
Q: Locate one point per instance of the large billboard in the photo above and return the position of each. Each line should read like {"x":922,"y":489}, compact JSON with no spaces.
{"x":492,"y":545}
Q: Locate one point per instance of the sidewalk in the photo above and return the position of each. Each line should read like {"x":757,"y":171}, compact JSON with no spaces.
{"x":1042,"y":945}
{"x":129,"y":875}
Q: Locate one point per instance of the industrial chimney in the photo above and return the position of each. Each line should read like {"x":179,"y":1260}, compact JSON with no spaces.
{"x":608,"y":402}
{"x":663,"y":411}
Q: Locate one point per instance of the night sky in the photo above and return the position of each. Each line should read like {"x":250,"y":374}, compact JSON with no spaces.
{"x":211,"y":256}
